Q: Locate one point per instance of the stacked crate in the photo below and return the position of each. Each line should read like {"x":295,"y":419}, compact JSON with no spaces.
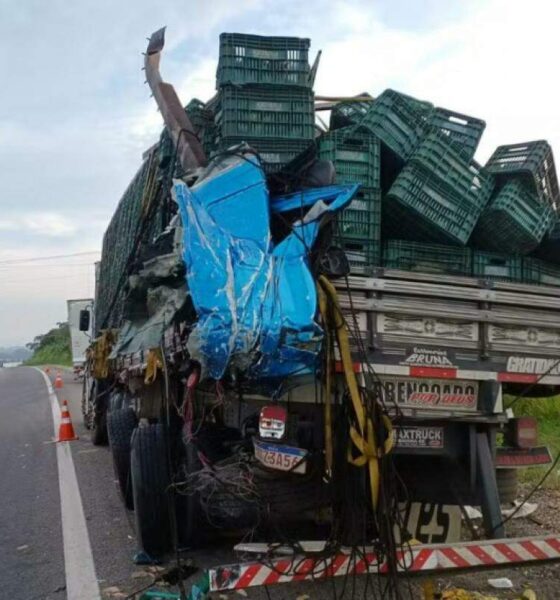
{"x":522,"y":210}
{"x":427,"y":258}
{"x":265,"y":97}
{"x":356,"y":159}
{"x":515,"y":221}
{"x":439,"y":194}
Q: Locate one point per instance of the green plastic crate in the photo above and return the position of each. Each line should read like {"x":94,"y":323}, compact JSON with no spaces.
{"x":363,"y":255}
{"x":442,"y":158}
{"x":356,"y":159}
{"x":515,"y":221}
{"x":274,"y":154}
{"x":398,"y":120}
{"x":549,"y":248}
{"x":540,"y":272}
{"x":255,"y":59}
{"x":264,"y":112}
{"x":493,"y":265}
{"x":349,"y":112}
{"x":202,"y":120}
{"x":427,"y":258}
{"x":420,"y":207}
{"x":362,"y":218}
{"x":463,"y":130}
{"x":533,"y":161}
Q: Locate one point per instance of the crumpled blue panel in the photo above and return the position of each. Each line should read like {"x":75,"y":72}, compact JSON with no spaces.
{"x":256,"y":304}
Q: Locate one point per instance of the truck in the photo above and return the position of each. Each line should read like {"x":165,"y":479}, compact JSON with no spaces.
{"x":247,"y":378}
{"x":80,"y":337}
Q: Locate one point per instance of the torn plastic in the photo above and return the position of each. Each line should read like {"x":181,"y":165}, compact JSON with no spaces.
{"x":256,"y":303}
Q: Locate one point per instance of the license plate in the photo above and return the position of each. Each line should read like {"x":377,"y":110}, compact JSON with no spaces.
{"x":281,"y":458}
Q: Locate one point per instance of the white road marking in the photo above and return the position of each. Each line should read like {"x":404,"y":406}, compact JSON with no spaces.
{"x":81,"y":581}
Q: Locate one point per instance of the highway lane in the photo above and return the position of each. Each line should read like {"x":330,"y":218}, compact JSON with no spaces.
{"x":32,"y":562}
{"x":31,"y":550}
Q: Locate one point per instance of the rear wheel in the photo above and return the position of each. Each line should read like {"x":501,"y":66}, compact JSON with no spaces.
{"x":150,"y":481}
{"x":120,"y":425}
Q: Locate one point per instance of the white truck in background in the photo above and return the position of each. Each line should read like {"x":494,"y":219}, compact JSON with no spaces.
{"x":79,"y":339}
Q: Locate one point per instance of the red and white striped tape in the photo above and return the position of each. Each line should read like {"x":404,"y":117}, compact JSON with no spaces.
{"x":441,"y":557}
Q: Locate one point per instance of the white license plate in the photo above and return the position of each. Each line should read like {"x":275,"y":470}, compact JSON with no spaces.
{"x":281,"y":458}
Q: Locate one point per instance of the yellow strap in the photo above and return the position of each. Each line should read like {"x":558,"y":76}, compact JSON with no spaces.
{"x":363,"y":437}
{"x":153,"y":363}
{"x":327,"y":385}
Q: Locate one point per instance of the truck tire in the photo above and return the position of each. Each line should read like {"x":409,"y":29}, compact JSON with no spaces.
{"x":150,"y":481}
{"x":120,"y":426}
{"x":508,"y":484}
{"x":189,"y":513}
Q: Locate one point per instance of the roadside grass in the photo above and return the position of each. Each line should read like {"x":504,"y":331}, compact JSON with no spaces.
{"x":547,"y":413}
{"x":52,"y":348}
{"x":52,"y":355}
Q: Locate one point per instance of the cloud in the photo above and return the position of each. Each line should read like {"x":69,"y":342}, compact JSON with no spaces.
{"x":44,"y":224}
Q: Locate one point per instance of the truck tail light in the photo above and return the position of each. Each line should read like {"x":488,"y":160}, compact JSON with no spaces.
{"x":272,"y":422}
{"x":522,"y":432}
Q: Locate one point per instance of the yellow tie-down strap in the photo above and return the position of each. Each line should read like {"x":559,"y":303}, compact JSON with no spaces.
{"x":363,"y":436}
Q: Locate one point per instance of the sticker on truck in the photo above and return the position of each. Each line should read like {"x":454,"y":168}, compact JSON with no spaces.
{"x":429,"y":393}
{"x":431,"y":523}
{"x":419,"y":437}
{"x":533,"y":365}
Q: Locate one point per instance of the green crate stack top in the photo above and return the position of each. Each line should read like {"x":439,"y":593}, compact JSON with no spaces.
{"x":537,"y":271}
{"x":265,"y":112}
{"x":356,"y":159}
{"x":514,"y":222}
{"x":427,"y":258}
{"x":438,"y":196}
{"x":496,"y":266}
{"x":399,"y":121}
{"x":464,"y":130}
{"x":254,"y":59}
{"x":265,"y":97}
{"x":531,"y":161}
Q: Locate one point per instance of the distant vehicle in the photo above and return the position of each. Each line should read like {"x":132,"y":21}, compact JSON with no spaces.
{"x":79,"y":338}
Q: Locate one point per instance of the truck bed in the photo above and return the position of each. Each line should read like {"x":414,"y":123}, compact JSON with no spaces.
{"x":422,"y":325}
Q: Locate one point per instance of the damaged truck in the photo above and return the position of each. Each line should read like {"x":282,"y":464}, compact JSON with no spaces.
{"x":304,"y":331}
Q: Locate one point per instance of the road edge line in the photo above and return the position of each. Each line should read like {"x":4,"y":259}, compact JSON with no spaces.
{"x":79,"y":566}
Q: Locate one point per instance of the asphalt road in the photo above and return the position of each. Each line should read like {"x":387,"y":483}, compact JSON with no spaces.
{"x":32,"y":565}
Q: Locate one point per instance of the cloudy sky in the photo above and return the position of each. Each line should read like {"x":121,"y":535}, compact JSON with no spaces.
{"x":75,"y":115}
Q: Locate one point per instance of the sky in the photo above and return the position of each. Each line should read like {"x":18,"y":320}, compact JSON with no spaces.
{"x":75,"y":114}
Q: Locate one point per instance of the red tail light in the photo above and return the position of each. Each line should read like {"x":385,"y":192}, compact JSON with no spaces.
{"x":522,"y":432}
{"x":272,"y":422}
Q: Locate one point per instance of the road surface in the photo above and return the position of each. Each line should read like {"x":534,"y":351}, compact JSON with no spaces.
{"x":32,"y":562}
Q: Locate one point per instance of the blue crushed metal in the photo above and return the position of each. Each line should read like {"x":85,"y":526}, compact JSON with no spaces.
{"x":256,"y":302}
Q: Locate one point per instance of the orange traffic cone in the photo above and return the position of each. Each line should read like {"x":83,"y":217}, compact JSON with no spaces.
{"x":58,"y":383}
{"x":66,"y":429}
